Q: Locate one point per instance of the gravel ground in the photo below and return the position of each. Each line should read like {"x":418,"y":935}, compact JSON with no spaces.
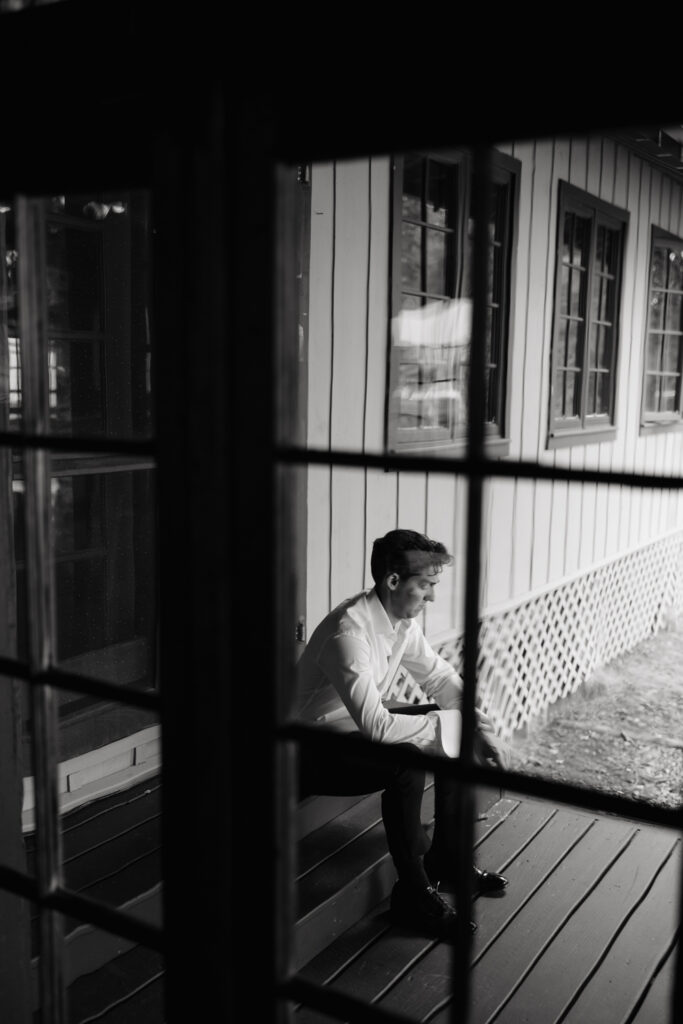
{"x":623,"y":731}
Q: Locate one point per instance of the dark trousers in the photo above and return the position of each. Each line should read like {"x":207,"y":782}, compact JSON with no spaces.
{"x":402,"y":789}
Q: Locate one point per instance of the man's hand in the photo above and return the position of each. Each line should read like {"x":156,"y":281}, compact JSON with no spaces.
{"x":487,"y":746}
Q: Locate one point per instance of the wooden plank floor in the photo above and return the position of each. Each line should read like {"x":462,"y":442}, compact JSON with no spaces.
{"x":585,"y":932}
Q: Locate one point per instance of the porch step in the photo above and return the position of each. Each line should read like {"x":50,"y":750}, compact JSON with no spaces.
{"x":344,"y":868}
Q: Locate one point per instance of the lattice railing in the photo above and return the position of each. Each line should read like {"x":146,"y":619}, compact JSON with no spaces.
{"x":544,"y":646}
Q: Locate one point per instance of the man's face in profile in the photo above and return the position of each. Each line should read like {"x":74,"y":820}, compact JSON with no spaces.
{"x":410,"y":595}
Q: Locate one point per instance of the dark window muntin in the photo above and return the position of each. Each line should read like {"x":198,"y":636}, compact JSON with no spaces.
{"x":585,"y":427}
{"x":504,"y":171}
{"x":653,"y":420}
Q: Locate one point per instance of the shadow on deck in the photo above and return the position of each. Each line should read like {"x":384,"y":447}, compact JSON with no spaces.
{"x":585,"y":933}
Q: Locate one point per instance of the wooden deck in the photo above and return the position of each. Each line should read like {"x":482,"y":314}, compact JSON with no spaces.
{"x":111,"y":850}
{"x":584,"y":934}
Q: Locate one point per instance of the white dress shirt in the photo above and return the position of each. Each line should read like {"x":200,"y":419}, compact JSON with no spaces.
{"x":349,"y":664}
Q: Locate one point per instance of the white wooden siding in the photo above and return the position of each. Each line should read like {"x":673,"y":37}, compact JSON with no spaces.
{"x":535,"y":533}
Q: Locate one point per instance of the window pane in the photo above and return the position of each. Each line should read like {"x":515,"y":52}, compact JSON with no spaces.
{"x":670,"y":359}
{"x":75,"y":387}
{"x":656,"y":310}
{"x":110,"y":803}
{"x":602,"y":403}
{"x":16,"y":807}
{"x":413,"y":177}
{"x":411,"y":256}
{"x":581,"y":241}
{"x":654,"y":351}
{"x":659,"y":267}
{"x":652,"y":392}
{"x":577,"y":301}
{"x":604,"y":352}
{"x":20,"y":971}
{"x":572,"y":342}
{"x":109,"y":978}
{"x":565,"y":277}
{"x":431,"y":346}
{"x":103,"y":565}
{"x":10,"y":354}
{"x":12,"y":555}
{"x":437,"y":277}
{"x":675,"y":260}
{"x":565,"y":394}
{"x":669,"y":392}
{"x":74,"y":276}
{"x":673,"y":312}
{"x":94,"y":272}
{"x":441,"y":194}
{"x":410,"y":301}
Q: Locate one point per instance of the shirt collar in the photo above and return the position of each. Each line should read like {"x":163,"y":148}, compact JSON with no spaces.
{"x":380,"y":620}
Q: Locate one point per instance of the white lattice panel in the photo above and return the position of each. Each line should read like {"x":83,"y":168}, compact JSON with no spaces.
{"x":544,"y":647}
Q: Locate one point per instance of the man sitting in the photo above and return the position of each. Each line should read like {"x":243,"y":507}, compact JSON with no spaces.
{"x":346,"y":674}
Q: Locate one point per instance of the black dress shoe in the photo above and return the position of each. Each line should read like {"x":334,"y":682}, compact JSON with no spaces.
{"x":482,"y":881}
{"x":488,"y":881}
{"x":425,"y":910}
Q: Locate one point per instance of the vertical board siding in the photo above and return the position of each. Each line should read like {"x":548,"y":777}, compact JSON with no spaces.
{"x":349,"y":374}
{"x":578,"y":176}
{"x":442,"y":525}
{"x":320,"y":304}
{"x":380,"y":511}
{"x":635,"y":444}
{"x":527,"y":532}
{"x":559,"y":457}
{"x":533,"y":533}
{"x":377,"y":301}
{"x":349,"y":368}
{"x":347,"y":533}
{"x":318,"y":545}
{"x":543,"y":494}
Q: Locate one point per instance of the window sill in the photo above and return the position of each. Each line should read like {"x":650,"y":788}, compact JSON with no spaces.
{"x":581,"y":437}
{"x":494,"y":448}
{"x":661,"y":427}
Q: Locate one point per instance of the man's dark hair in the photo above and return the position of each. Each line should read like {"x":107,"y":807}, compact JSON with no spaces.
{"x":398,"y":551}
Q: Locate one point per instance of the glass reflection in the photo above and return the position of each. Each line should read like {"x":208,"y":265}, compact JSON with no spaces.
{"x":108,"y":977}
{"x":103,"y":567}
{"x":110,"y":803}
{"x":91,"y":264}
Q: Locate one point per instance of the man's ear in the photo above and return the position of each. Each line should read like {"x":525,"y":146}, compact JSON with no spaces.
{"x":393,"y":580}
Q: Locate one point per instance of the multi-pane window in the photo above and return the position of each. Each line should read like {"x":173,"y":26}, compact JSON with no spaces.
{"x":664,"y":342}
{"x":432,"y":298}
{"x":591,"y":237}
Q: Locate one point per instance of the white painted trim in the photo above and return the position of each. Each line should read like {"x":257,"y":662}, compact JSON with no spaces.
{"x":100,"y":772}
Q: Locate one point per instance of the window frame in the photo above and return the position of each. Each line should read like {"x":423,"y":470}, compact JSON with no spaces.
{"x":655,"y":423}
{"x":595,"y":427}
{"x":504,"y":170}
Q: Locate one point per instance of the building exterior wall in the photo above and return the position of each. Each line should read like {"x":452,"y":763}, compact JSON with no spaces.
{"x":536,"y":533}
